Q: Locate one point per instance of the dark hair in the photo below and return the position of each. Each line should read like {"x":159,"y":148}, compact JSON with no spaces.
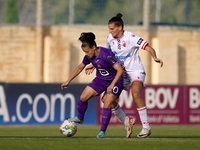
{"x":87,"y":39}
{"x":117,"y":20}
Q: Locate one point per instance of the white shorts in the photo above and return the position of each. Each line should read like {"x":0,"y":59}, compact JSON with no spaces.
{"x":133,"y":76}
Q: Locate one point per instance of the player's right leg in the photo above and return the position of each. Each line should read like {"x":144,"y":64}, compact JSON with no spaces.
{"x":129,"y":126}
{"x":128,"y":121}
{"x":75,"y":119}
{"x":116,"y":109}
{"x":83,"y":104}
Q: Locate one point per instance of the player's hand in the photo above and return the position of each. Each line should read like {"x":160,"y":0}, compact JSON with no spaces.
{"x":110,"y":89}
{"x":89,"y":69}
{"x":64,"y":85}
{"x":159,"y":61}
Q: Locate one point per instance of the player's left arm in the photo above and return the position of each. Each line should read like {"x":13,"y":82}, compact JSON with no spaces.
{"x":89,"y":69}
{"x":119,"y":73}
{"x":153,"y":54}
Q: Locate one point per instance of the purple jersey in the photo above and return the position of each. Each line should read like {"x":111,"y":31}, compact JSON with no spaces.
{"x":103,"y":63}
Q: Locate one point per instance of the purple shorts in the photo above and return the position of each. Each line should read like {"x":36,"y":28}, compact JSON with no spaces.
{"x":100,"y":86}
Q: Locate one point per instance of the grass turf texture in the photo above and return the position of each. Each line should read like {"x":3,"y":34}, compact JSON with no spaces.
{"x":49,"y":137}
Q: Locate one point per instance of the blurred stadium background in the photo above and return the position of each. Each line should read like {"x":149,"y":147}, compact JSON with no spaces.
{"x":65,"y":12}
{"x":39,"y":44}
{"x":43,"y":30}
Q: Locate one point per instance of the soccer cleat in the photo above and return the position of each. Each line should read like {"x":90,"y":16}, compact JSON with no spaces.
{"x":75,"y":119}
{"x":144,"y":133}
{"x":101,"y":135}
{"x":129,"y":126}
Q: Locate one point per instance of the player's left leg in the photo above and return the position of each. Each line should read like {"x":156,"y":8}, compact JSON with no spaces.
{"x":109,"y":98}
{"x":104,"y":122}
{"x":141,"y":108}
{"x":116,"y":109}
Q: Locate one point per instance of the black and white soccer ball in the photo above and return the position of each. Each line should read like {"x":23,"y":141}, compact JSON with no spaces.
{"x":68,"y":128}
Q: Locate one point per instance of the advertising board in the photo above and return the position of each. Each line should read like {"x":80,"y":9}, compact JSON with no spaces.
{"x":166,"y":105}
{"x":193,"y":105}
{"x":42,"y":103}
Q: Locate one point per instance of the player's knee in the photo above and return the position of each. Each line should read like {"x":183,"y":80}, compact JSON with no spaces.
{"x":83,"y":97}
{"x":135,"y":95}
{"x":107,"y":104}
{"x":103,"y":98}
{"x":114,"y":104}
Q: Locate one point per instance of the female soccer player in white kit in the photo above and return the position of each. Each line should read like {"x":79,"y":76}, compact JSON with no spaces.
{"x":125,"y":46}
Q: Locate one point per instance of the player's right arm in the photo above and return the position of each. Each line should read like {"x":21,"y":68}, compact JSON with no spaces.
{"x":74,"y":74}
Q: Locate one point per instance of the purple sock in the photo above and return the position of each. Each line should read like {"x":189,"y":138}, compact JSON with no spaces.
{"x":105,"y":118}
{"x":82,"y":107}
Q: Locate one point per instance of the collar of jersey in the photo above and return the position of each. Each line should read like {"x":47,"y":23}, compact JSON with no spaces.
{"x":120,"y":37}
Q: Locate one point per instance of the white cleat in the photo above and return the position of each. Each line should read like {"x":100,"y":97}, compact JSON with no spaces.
{"x":144,"y":133}
{"x":129,"y":126}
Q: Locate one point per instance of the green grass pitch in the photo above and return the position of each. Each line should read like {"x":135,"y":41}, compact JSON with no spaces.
{"x":49,"y":138}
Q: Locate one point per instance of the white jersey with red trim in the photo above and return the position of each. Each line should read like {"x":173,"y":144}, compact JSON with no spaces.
{"x":126,"y":50}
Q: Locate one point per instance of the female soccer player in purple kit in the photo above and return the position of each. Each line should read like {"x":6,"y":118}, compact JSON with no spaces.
{"x":108,"y":78}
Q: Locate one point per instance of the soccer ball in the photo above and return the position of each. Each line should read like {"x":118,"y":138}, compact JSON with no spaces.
{"x":68,"y":128}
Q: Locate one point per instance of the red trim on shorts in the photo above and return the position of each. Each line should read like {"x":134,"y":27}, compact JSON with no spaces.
{"x":143,"y":87}
{"x":137,"y":81}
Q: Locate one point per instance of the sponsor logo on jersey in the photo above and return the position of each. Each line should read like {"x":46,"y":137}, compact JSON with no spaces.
{"x":123,"y":43}
{"x":98,"y":65}
{"x":133,"y":35}
{"x":123,"y":57}
{"x":113,"y":60}
{"x":139,"y":42}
